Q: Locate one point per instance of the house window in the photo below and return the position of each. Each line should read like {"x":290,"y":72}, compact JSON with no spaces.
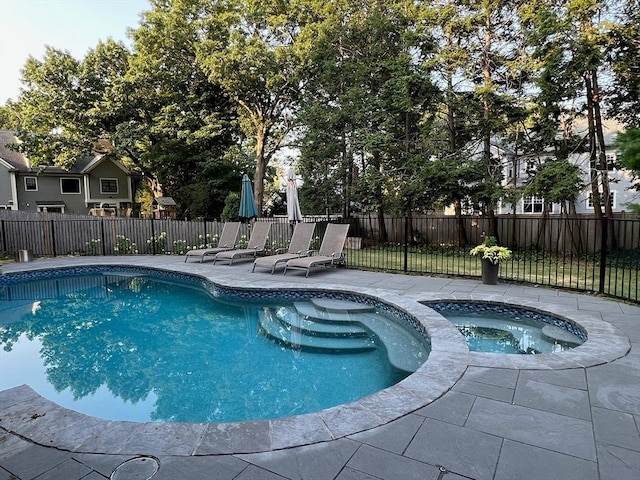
{"x":31,"y":184}
{"x":532,"y":204}
{"x":108,"y":185}
{"x":51,"y":208}
{"x":611,"y":161}
{"x":613,"y":196}
{"x":70,"y":185}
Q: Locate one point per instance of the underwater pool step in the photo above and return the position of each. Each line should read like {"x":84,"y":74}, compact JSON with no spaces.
{"x":321,"y":329}
{"x":404,"y":351}
{"x":561,"y":335}
{"x":308,"y":309}
{"x":332,"y":305}
{"x":275,"y":329}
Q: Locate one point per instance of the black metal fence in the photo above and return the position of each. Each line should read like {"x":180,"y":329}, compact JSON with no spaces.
{"x":580,"y":253}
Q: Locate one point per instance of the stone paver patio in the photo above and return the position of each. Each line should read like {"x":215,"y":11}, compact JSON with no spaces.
{"x":574,"y":415}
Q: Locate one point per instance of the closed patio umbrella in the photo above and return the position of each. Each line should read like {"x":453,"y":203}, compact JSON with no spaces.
{"x":247,"y":202}
{"x":293,"y":206}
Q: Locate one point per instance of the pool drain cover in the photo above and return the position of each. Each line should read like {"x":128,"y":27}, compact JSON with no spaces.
{"x":139,"y":468}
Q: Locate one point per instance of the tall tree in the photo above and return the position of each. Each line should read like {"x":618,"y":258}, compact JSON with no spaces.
{"x":623,"y":45}
{"x":365,"y":91}
{"x":250,"y":49}
{"x":181,"y":124}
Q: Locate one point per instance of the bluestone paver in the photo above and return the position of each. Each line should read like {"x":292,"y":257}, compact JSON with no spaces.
{"x":569,"y":435}
{"x":553,"y":398}
{"x":518,"y":460}
{"x":390,"y":466}
{"x":615,"y":428}
{"x":458,"y":449}
{"x":453,"y":407}
{"x":485,"y":390}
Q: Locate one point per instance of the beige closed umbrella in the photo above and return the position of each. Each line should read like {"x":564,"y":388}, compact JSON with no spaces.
{"x":293,"y":206}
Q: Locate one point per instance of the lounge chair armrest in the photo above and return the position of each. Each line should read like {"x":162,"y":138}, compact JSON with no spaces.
{"x":280,"y":250}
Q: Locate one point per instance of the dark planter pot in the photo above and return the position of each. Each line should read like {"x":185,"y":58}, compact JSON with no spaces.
{"x":490,"y":272}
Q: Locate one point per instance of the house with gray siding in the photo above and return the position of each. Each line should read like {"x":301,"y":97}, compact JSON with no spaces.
{"x":95,"y":184}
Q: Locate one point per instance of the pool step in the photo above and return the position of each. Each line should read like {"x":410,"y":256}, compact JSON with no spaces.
{"x":310,"y":310}
{"x":332,"y":305}
{"x":308,"y":326}
{"x":274,"y":328}
{"x":561,"y":335}
{"x":404,"y":351}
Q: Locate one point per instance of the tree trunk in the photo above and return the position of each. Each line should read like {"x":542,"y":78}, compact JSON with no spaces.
{"x":462,"y":231}
{"x":261,"y":164}
{"x":602,"y":158}
{"x":593,"y":158}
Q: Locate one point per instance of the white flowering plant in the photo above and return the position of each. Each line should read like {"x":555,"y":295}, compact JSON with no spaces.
{"x":490,"y":250}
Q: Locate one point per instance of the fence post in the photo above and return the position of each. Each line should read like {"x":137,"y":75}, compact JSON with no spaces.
{"x":153,"y":237}
{"x":102,"y":239}
{"x":4,"y":238}
{"x":53,"y":239}
{"x":204,"y":222}
{"x":406,"y":243}
{"x":603,"y":252}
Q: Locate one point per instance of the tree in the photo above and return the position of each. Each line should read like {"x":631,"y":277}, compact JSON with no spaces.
{"x":629,"y":155}
{"x":49,"y":114}
{"x":250,"y":49}
{"x":622,"y":47}
{"x":182,"y":124}
{"x":363,"y":99}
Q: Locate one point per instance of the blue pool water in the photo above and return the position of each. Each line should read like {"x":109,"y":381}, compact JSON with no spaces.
{"x":497,"y":328}
{"x":124,"y":346}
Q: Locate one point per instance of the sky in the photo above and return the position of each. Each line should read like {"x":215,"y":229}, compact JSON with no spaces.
{"x":27,"y":26}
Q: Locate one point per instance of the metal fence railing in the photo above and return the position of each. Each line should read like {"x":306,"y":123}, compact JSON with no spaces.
{"x":580,"y":253}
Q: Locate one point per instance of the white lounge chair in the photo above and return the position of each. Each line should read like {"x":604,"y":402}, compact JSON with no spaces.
{"x":330,"y":252}
{"x":257,"y":242}
{"x":227,"y":241}
{"x":299,"y":247}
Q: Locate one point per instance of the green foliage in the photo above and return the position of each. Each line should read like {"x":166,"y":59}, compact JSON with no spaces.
{"x":124,"y":246}
{"x":231,"y":209}
{"x":628,"y":144}
{"x":157,"y":244}
{"x":93,"y":247}
{"x":558,"y":181}
{"x":490,"y":250}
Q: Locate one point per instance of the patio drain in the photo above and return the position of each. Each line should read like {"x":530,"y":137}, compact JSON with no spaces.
{"x":139,"y":468}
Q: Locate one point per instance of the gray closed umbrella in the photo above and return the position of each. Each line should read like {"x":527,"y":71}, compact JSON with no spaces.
{"x":293,"y":206}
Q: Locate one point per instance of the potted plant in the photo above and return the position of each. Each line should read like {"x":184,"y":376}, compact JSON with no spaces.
{"x":492,"y":254}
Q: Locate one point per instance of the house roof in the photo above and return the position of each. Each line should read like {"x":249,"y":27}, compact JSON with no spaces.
{"x":165,"y":201}
{"x":15,"y":160}
{"x":19,"y":162}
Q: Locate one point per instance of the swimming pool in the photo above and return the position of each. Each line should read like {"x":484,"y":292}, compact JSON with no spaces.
{"x":136,"y":344}
{"x":498,"y":328}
